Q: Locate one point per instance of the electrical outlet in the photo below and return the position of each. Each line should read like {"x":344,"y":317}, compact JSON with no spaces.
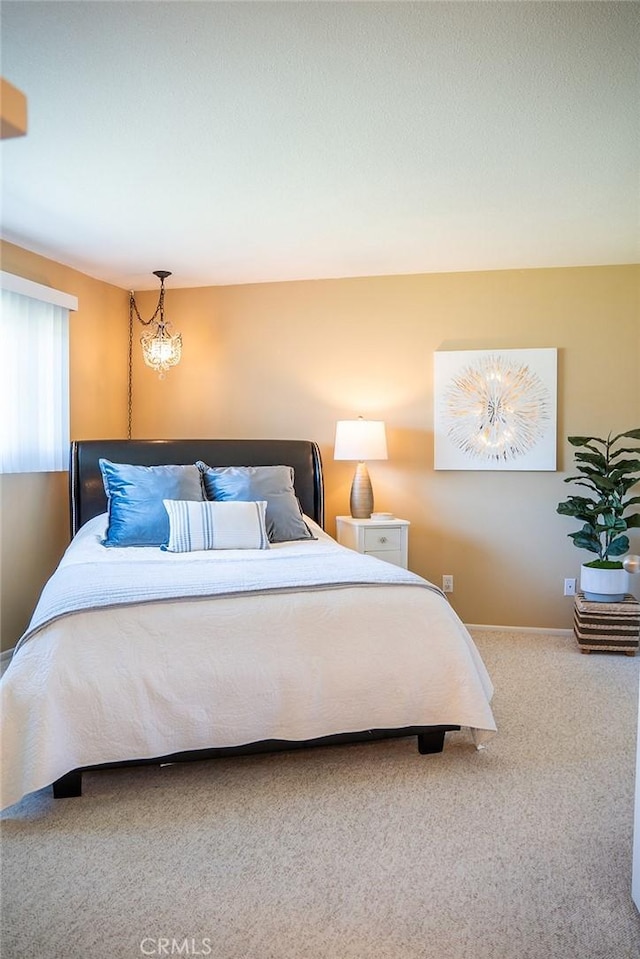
{"x":447,"y":583}
{"x":569,"y":587}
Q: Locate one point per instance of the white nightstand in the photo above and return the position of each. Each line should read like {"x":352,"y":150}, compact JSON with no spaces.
{"x":387,"y":539}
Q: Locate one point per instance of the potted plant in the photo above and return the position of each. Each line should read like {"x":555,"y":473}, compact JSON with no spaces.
{"x":608,"y":468}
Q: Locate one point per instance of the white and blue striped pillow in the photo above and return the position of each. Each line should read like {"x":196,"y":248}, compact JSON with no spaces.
{"x":210,"y":525}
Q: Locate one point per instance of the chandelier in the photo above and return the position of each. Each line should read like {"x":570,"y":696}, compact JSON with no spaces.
{"x":161,"y":348}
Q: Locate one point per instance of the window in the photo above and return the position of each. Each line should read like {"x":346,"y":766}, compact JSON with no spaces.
{"x":34,"y":376}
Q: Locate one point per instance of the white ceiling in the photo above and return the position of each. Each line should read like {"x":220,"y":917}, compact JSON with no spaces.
{"x":239,"y":142}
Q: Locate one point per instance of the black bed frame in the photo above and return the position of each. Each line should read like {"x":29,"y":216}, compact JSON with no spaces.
{"x":88,"y":499}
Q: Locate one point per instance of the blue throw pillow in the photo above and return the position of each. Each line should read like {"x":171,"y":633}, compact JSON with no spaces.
{"x":135,"y":494}
{"x":274,"y":484}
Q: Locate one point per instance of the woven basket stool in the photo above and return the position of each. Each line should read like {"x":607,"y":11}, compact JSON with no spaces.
{"x":607,"y":627}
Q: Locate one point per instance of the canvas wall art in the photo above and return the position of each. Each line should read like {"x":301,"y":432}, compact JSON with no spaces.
{"x":495,"y":409}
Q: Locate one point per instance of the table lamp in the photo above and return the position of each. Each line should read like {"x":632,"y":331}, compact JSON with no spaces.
{"x":360,"y":440}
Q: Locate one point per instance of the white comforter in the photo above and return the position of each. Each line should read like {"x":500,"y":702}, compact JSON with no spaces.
{"x":137,"y":680}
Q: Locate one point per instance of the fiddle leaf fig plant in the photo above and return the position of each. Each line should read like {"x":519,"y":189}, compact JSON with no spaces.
{"x":609,"y":469}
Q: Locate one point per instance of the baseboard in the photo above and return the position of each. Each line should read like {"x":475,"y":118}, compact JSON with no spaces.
{"x":549,"y":631}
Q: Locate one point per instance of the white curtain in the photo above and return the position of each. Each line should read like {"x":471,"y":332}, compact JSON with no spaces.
{"x":34,"y":385}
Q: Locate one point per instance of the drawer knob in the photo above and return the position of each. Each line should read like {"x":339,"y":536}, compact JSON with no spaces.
{"x":383,"y":539}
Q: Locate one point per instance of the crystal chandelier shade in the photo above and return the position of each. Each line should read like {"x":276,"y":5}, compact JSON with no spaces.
{"x":160,"y":349}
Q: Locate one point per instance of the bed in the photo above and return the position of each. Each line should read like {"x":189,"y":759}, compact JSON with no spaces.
{"x":142,"y":653}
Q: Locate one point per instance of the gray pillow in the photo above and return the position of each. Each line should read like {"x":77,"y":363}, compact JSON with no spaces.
{"x":271,"y":483}
{"x":135,"y":495}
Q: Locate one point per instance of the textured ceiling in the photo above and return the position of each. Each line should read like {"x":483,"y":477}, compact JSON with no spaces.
{"x":246,"y":142}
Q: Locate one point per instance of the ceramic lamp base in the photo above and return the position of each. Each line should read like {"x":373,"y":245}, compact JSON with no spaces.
{"x":361,"y":500}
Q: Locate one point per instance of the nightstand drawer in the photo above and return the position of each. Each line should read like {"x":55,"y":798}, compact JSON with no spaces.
{"x":382,"y":539}
{"x":395,"y":556}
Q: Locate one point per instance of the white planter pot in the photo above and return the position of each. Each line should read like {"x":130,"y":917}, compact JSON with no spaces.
{"x":603,"y":585}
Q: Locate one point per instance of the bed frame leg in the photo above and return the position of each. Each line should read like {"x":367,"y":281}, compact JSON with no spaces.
{"x":431,"y":742}
{"x":68,"y":786}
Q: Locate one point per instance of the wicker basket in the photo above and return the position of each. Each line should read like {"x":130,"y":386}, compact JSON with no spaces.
{"x":607,"y":627}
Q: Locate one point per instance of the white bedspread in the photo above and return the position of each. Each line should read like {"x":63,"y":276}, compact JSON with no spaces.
{"x":138,"y":680}
{"x":88,"y":579}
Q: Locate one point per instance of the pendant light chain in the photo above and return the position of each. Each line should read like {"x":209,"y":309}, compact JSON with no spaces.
{"x":159,"y":307}
{"x":130,"y":368}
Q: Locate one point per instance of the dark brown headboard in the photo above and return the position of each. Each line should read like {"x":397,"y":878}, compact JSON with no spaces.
{"x":87,"y":493}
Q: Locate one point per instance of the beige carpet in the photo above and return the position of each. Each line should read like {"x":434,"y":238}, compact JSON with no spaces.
{"x":520,"y":851}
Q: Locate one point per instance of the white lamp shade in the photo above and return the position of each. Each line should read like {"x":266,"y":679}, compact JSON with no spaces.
{"x":360,"y":440}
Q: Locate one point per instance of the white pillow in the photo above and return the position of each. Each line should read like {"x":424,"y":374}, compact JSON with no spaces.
{"x":212,"y":525}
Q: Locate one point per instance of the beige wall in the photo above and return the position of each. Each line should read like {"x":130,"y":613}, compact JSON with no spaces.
{"x":34,"y":513}
{"x":289,"y":359}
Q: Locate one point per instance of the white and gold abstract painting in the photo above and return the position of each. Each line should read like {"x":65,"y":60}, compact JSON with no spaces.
{"x":495,"y":409}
